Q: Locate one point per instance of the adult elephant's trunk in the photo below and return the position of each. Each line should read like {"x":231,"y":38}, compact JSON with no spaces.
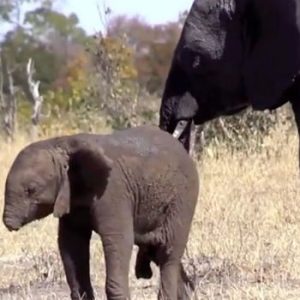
{"x":183,"y":133}
{"x":178,"y":106}
{"x":177,"y":116}
{"x":166,"y":114}
{"x":181,"y":130}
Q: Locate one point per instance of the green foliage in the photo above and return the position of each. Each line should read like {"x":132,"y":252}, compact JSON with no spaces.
{"x":48,"y":36}
{"x":154,"y":47}
{"x":54,"y":41}
{"x":10,"y":10}
{"x":18,"y":47}
{"x":122,"y":101}
{"x":115,"y":82}
{"x":45,"y":22}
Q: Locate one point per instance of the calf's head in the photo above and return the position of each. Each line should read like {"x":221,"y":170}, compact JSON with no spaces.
{"x":42,"y":179}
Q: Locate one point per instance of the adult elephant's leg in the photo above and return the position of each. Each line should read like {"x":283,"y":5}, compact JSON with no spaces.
{"x":74,"y":250}
{"x":117,"y":252}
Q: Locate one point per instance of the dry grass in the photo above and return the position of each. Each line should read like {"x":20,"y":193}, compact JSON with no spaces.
{"x":244,"y":244}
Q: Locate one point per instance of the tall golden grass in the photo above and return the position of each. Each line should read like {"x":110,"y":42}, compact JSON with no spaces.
{"x":244,"y":243}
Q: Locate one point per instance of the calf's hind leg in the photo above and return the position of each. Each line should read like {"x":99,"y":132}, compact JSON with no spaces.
{"x":185,"y":286}
{"x":174,"y":282}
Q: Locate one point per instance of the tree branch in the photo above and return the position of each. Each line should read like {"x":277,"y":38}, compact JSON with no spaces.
{"x":36,"y":98}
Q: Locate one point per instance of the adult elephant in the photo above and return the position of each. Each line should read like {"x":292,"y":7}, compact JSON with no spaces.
{"x":232,"y":54}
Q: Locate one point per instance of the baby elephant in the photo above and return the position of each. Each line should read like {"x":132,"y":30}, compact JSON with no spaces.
{"x":135,"y":186}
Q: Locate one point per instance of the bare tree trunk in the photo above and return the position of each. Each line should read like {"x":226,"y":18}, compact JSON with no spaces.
{"x":36,"y":98}
{"x":12,"y":102}
{"x":2,"y":101}
{"x":9,"y":101}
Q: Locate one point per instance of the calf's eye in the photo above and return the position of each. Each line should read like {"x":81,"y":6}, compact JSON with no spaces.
{"x":30,"y":191}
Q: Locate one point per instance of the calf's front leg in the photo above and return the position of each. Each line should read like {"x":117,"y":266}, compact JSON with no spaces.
{"x":74,"y":244}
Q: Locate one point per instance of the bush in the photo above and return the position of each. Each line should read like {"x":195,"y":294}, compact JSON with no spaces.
{"x":242,"y":132}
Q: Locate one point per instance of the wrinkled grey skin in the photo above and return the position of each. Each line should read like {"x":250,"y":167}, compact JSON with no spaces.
{"x":135,"y":186}
{"x":233,"y":54}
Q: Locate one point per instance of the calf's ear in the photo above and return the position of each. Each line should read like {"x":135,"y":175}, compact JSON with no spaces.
{"x":93,"y":168}
{"x":62,"y":203}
